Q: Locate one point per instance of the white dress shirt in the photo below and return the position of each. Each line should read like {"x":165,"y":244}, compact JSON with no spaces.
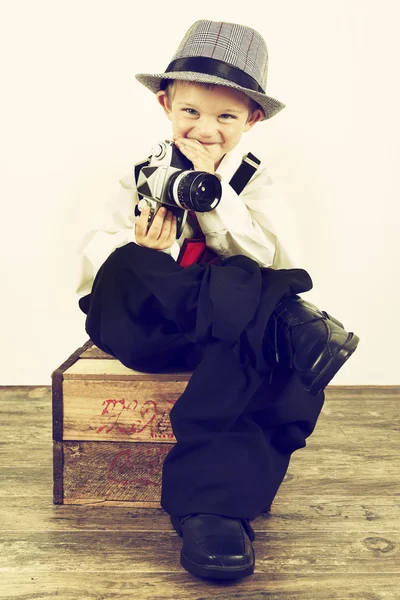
{"x":258,"y":223}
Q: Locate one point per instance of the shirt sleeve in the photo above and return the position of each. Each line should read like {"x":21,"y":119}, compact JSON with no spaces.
{"x":111,"y":228}
{"x":258,"y":223}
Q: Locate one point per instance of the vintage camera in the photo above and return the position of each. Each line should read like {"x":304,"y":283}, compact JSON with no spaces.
{"x":167,"y":178}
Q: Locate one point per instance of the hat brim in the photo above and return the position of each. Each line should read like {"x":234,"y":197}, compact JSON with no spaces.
{"x":269,"y":105}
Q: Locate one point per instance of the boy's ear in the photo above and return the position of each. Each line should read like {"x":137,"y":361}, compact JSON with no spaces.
{"x":256,"y":116}
{"x":164,"y":102}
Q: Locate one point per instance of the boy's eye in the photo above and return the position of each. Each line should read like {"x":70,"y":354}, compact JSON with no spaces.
{"x":193,"y":112}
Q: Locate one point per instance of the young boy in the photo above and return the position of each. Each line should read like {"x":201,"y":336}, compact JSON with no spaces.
{"x":261,"y":356}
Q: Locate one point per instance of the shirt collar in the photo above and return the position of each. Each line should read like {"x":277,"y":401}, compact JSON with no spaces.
{"x":231,"y":161}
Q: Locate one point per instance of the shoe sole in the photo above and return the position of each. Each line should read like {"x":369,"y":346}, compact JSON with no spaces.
{"x":211,"y":572}
{"x":334,"y":365}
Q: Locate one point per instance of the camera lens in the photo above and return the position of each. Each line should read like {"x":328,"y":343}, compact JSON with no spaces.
{"x":195,"y":190}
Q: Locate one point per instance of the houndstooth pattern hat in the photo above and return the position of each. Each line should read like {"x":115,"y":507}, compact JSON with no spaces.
{"x":223,"y":53}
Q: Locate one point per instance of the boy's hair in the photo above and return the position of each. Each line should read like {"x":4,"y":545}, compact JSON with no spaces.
{"x":169,"y":85}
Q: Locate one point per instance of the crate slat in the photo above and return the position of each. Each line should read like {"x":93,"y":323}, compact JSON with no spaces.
{"x":119,"y":411}
{"x":114,"y":370}
{"x":104,"y":471}
{"x":95,"y":352}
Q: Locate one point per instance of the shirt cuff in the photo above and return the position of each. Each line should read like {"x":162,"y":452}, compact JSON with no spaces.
{"x":231,"y":214}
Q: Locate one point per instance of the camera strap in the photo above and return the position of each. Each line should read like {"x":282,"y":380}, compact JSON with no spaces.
{"x":244,"y":173}
{"x":138,"y":167}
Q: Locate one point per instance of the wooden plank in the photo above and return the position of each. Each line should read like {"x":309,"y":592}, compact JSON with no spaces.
{"x":311,"y":552}
{"x":26,"y":481}
{"x":36,"y":432}
{"x":26,"y":392}
{"x":14,"y":454}
{"x":120,"y":410}
{"x":25,"y":419}
{"x":95,"y":352}
{"x":120,"y":503}
{"x":369,"y":425}
{"x":309,"y":473}
{"x":181,"y":585}
{"x":113,"y":370}
{"x":113,"y":471}
{"x":366,"y":409}
{"x":288,"y":513}
{"x":363,"y":392}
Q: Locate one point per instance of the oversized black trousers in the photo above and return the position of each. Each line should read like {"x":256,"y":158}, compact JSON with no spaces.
{"x":239,"y":419}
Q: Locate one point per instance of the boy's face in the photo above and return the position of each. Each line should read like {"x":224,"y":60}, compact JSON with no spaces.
{"x":216,"y":118}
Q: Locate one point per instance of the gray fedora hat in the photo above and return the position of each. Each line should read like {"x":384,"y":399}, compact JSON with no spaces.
{"x":223,"y":53}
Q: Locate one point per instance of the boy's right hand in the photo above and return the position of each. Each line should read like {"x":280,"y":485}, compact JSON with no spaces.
{"x":162,"y":232}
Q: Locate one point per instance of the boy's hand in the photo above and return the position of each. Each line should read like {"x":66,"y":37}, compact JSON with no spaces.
{"x":198,"y":154}
{"x":162,"y":232}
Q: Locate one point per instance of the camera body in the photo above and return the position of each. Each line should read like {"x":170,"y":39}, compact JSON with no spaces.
{"x":167,"y":179}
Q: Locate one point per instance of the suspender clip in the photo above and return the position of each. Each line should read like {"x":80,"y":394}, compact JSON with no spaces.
{"x":245,"y":172}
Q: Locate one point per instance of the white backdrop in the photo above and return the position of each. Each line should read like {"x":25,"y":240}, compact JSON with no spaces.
{"x":73,"y":117}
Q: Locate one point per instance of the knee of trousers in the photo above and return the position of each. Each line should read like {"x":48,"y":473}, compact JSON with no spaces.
{"x":109,"y":286}
{"x":126,"y":320}
{"x":289,"y":437}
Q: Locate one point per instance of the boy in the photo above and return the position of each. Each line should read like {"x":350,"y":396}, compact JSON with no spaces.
{"x":261,"y":355}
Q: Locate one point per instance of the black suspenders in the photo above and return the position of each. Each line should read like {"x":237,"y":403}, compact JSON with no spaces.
{"x":244,"y":173}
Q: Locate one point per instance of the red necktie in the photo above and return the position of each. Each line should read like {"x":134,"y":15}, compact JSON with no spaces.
{"x":197,"y":232}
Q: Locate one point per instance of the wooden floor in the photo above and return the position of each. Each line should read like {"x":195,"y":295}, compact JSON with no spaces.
{"x":334,"y":529}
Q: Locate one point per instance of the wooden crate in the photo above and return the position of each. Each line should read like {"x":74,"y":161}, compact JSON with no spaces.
{"x":111,"y":430}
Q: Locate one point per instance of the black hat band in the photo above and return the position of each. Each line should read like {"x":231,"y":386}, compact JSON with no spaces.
{"x":213,"y":66}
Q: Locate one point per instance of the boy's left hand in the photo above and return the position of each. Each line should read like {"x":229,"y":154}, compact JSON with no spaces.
{"x":198,"y":154}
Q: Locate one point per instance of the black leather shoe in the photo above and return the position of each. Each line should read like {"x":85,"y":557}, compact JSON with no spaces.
{"x":308,"y":340}
{"x":214,"y":546}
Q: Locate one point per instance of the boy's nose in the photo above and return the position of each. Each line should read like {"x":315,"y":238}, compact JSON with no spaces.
{"x":206,"y":129}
